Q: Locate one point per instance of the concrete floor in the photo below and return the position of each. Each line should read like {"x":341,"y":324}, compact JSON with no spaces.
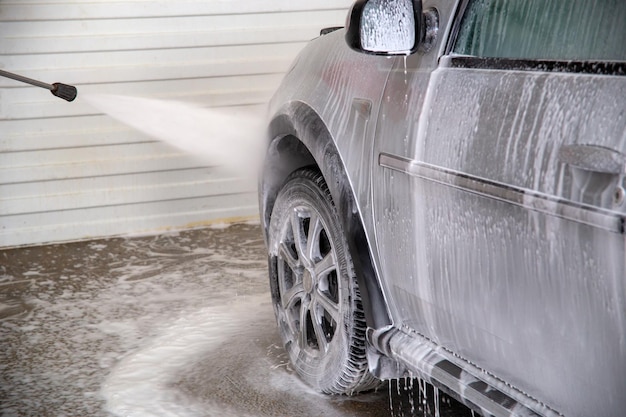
{"x":178,"y":324}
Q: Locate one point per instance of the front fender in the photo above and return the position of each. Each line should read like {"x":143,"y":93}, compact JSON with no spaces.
{"x":301,"y":138}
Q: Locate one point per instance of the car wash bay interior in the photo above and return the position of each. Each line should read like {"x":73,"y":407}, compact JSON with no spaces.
{"x":68,"y":172}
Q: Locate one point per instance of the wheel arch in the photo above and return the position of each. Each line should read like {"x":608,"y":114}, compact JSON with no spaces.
{"x":299,"y":138}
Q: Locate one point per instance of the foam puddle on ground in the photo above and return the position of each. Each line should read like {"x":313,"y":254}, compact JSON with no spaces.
{"x":226,"y":137}
{"x":90,"y":314}
{"x":140,"y":385}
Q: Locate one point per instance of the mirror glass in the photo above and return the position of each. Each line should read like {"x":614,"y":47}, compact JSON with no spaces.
{"x":388,"y":26}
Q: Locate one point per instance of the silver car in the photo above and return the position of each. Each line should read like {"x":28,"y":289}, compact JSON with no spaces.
{"x":443,"y":198}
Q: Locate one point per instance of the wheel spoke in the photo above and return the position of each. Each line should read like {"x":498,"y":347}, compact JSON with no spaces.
{"x":284,"y":251}
{"x":287,"y":327}
{"x":320,"y":334}
{"x":326,"y":265}
{"x":298,"y":234}
{"x":327,"y":305}
{"x":303,"y":336}
{"x":288,"y":277}
{"x":313,"y":241}
{"x":291,"y":295}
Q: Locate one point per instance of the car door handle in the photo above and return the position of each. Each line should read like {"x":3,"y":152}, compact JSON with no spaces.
{"x":593,"y":158}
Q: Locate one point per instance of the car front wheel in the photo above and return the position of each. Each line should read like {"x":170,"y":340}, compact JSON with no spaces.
{"x":314,"y":290}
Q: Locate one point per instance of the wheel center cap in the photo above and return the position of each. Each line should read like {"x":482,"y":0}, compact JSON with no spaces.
{"x":307,"y":281}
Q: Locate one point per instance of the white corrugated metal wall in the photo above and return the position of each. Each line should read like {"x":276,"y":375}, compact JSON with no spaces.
{"x":68,"y":172}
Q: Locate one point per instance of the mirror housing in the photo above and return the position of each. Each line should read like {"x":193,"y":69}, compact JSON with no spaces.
{"x":385,"y":27}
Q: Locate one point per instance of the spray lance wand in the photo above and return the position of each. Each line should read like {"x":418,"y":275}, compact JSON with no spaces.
{"x":64,"y":91}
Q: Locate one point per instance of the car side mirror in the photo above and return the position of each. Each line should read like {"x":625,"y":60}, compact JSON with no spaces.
{"x":385,"y":27}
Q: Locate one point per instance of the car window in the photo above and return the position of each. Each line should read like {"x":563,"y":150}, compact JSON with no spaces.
{"x":544,"y":29}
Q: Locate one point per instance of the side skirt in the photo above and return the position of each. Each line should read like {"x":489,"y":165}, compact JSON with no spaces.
{"x":463,"y":381}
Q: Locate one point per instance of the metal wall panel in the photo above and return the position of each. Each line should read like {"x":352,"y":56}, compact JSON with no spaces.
{"x":68,"y":172}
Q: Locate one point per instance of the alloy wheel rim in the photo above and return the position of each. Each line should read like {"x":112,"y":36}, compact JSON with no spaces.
{"x":308,"y":283}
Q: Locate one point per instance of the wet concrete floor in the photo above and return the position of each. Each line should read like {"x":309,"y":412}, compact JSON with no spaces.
{"x":178,"y":324}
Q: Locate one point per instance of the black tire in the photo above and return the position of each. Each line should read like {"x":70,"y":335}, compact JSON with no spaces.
{"x":314,"y":290}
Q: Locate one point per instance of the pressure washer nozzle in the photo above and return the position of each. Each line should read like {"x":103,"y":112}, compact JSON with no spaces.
{"x":64,"y":91}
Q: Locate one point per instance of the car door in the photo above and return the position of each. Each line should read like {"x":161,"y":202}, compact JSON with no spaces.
{"x":499,"y":199}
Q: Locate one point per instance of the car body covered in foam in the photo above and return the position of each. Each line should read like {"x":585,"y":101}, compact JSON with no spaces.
{"x":479,"y":181}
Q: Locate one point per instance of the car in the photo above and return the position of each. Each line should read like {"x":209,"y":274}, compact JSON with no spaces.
{"x":442,"y":197}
